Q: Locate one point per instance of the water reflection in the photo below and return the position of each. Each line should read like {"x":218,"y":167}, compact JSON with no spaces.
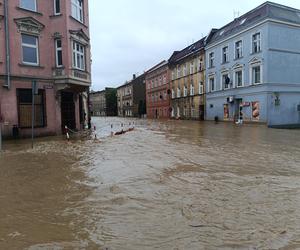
{"x":165,"y":185}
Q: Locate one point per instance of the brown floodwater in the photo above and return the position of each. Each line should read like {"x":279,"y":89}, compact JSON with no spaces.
{"x":168,"y":185}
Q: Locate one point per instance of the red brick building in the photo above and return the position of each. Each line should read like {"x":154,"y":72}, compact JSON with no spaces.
{"x":158,"y":91}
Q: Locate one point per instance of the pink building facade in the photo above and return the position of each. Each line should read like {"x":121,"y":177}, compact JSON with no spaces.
{"x":47,"y":42}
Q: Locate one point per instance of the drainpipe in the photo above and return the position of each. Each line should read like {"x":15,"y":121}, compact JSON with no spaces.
{"x":7,"y":45}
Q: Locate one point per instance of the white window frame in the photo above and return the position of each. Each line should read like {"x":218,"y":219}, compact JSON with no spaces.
{"x":55,"y":10}
{"x":192,"y":89}
{"x":178,"y":72}
{"x":258,"y":41}
{"x":184,"y":70}
{"x":201,"y":88}
{"x":227,"y":54}
{"x":79,"y":10}
{"x":35,"y":6}
{"x":185,"y":90}
{"x":178,"y":92}
{"x":223,"y":85}
{"x":235,"y":49}
{"x":212,"y":77}
{"x":74,"y":51}
{"x":192,"y":67}
{"x":57,"y":49}
{"x":173,"y":93}
{"x":235,"y":79}
{"x":252,"y":66}
{"x":36,"y":46}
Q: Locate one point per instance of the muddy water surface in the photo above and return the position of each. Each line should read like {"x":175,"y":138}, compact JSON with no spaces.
{"x":165,"y":185}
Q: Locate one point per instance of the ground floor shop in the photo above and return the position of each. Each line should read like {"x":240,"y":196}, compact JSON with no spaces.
{"x":191,"y":107}
{"x":54,"y":108}
{"x":274,"y":108}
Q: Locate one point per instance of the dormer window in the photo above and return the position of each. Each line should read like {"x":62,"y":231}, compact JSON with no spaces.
{"x":28,"y":5}
{"x":77,"y":10}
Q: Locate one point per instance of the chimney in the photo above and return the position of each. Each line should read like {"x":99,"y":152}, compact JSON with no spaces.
{"x":134,"y":76}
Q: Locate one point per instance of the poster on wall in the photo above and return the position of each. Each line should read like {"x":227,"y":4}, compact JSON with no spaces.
{"x":226,"y":111}
{"x":255,"y":111}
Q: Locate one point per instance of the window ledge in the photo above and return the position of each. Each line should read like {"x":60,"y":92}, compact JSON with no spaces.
{"x":54,"y":16}
{"x":254,"y":53}
{"x":223,"y":63}
{"x":62,"y":67}
{"x":78,"y":21}
{"x":236,"y":59}
{"x":30,"y":66}
{"x":31,"y":11}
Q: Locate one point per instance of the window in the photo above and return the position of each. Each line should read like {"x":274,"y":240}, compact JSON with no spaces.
{"x":184,"y":91}
{"x":238,"y":78}
{"x":178,"y":92}
{"x":211,"y":59}
{"x":164,"y":80}
{"x":256,"y":74}
{"x":212,"y":86}
{"x":256,"y":47}
{"x":25,"y":108}
{"x":173,"y":94}
{"x":184,"y":70}
{"x":56,"y":7}
{"x":238,"y":49}
{"x":58,"y":49}
{"x":201,"y":88}
{"x":173,"y":74}
{"x":77,"y":11}
{"x":30,"y":49}
{"x":78,"y":56}
{"x":178,"y":72}
{"x":192,"y":68}
{"x":192,"y":89}
{"x":225,"y":54}
{"x":225,"y":81}
{"x":28,"y":5}
{"x":200,"y":64}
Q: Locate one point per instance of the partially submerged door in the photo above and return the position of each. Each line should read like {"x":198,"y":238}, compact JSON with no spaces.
{"x":68,"y":110}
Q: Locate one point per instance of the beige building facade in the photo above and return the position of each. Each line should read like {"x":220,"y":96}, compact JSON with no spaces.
{"x":187,"y":69}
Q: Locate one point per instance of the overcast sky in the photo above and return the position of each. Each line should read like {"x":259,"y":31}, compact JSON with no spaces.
{"x":130,"y":36}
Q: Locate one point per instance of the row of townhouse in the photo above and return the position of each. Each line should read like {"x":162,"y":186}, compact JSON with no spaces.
{"x":247,"y":70}
{"x":47,"y":42}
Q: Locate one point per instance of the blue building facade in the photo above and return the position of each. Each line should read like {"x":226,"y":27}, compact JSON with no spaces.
{"x":253,"y":68}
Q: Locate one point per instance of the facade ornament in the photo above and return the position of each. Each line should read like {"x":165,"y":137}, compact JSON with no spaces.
{"x":29,"y":25}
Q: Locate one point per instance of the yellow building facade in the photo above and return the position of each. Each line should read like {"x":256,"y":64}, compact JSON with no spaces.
{"x":188,"y":82}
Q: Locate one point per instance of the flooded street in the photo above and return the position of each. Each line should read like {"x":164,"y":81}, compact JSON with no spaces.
{"x":166,"y":185}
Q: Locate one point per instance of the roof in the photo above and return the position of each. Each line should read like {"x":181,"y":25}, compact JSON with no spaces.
{"x":190,"y":50}
{"x":157,"y":66}
{"x":260,"y":13}
{"x":134,"y":80}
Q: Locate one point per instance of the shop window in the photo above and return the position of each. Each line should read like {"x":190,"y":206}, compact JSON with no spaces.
{"x":25,"y":108}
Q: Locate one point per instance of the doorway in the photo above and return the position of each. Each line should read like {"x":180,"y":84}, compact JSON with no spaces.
{"x":68,"y":117}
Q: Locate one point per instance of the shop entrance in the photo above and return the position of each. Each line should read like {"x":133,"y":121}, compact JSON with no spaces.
{"x":68,"y":117}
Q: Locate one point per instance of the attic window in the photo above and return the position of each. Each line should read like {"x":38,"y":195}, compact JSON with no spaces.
{"x":298,"y":14}
{"x":243,"y":21}
{"x":221,"y":33}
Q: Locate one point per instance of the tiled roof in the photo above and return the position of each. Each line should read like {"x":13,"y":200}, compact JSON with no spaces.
{"x":262,"y":12}
{"x":191,"y":49}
